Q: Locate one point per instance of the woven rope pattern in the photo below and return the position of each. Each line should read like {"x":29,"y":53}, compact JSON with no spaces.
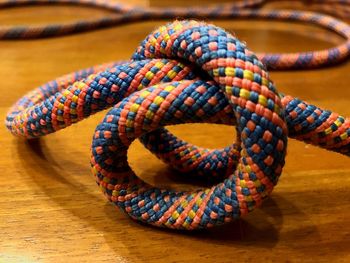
{"x":218,"y":81}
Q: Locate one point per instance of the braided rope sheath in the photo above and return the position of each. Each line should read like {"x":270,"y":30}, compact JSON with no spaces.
{"x":220,"y":81}
{"x":244,"y":9}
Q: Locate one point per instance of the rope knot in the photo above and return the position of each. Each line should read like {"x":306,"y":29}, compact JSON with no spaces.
{"x":184,"y":72}
{"x":241,"y":84}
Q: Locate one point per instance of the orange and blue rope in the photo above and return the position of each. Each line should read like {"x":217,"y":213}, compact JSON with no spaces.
{"x":219,"y":81}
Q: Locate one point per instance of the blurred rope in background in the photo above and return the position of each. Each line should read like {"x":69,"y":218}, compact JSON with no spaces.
{"x":125,"y":13}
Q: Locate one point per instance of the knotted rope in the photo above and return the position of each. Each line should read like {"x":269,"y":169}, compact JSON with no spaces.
{"x":218,"y":80}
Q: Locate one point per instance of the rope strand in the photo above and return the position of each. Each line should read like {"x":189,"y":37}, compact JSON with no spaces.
{"x":125,"y":14}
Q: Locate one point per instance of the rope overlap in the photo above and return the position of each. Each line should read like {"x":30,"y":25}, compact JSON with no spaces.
{"x":219,"y":80}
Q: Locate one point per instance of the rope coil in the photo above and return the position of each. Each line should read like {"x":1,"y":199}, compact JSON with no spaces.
{"x":218,"y":80}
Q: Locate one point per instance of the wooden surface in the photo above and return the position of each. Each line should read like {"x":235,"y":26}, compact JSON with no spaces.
{"x":52,"y":211}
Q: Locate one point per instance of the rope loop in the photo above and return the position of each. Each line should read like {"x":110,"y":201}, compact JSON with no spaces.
{"x":183,"y":72}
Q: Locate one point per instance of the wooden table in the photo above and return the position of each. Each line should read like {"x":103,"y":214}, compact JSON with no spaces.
{"x":52,"y":211}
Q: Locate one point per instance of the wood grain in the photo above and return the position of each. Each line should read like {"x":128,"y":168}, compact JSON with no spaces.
{"x":52,"y":211}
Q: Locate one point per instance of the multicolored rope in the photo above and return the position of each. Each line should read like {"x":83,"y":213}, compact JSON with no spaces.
{"x":218,"y":81}
{"x":244,"y":9}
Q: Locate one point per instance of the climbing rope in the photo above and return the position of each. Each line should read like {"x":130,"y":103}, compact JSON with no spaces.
{"x":218,"y":80}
